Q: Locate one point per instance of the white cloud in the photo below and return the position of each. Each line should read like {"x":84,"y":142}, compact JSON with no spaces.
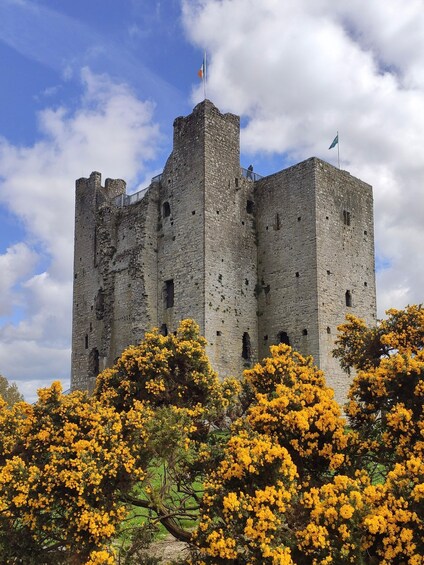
{"x":300,"y":71}
{"x":112,"y":132}
{"x":15,"y":265}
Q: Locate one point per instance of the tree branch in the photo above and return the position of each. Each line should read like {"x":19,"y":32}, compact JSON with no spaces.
{"x":163,"y":516}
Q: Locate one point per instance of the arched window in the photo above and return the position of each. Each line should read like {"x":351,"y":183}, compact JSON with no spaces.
{"x":283,"y":338}
{"x":166,"y":209}
{"x":246,"y":352}
{"x":348,"y":298}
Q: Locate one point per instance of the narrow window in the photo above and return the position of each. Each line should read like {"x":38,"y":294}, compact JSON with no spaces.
{"x":169,"y":293}
{"x":305,"y":332}
{"x":247,"y":347}
{"x":348,"y":298}
{"x":164,"y":330}
{"x":346,"y":218}
{"x":249,"y":207}
{"x":86,"y":341}
{"x":166,"y":209}
{"x":328,"y":330}
{"x":100,"y":304}
{"x":93,"y":362}
{"x":283,"y":338}
{"x":218,"y":333}
{"x":277,"y":221}
{"x":297,"y":275}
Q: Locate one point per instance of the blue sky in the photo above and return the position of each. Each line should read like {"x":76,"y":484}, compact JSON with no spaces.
{"x":96,"y":85}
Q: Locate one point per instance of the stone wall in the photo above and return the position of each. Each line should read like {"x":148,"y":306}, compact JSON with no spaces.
{"x":230,"y":250}
{"x":287,"y":260}
{"x":345,"y":251}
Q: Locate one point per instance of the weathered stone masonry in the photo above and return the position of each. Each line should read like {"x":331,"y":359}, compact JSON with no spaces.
{"x":253,"y":261}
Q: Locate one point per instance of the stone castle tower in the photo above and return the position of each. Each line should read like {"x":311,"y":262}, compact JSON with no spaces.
{"x":254,"y":260}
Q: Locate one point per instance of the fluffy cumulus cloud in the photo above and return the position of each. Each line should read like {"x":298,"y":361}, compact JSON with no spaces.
{"x":110,"y":131}
{"x":300,"y":71}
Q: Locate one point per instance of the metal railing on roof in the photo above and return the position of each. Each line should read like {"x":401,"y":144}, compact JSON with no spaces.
{"x":128,"y":199}
{"x":249,"y":174}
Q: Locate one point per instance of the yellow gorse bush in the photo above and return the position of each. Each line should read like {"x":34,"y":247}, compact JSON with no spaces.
{"x":64,"y":459}
{"x":268,"y":467}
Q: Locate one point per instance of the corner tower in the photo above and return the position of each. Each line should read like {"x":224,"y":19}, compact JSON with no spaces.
{"x":206,"y":238}
{"x":315,"y":260}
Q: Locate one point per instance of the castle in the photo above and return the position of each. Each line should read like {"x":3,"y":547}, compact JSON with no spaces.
{"x":254,"y":260}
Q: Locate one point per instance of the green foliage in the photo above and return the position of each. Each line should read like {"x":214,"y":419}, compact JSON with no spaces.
{"x":9,"y":392}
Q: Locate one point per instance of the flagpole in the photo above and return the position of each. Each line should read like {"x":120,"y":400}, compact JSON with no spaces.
{"x":338,"y":148}
{"x":204,"y":75}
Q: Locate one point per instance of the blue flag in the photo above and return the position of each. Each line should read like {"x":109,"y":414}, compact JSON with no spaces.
{"x":335,"y":142}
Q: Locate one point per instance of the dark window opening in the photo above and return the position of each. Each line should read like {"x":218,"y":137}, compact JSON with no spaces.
{"x":75,"y":276}
{"x":236,"y":182}
{"x":164,"y":330}
{"x":100,"y":304}
{"x":86,"y":341}
{"x":297,"y":274}
{"x":365,"y":232}
{"x":193,"y":212}
{"x":346,"y":218}
{"x":249,"y":207}
{"x":218,"y":332}
{"x":277,"y":221}
{"x":328,"y":272}
{"x":365,"y":283}
{"x":348,"y":298}
{"x":247,"y":347}
{"x":328,"y":330}
{"x":166,"y":208}
{"x":305,"y":332}
{"x":266,"y":337}
{"x":169,"y":293}
{"x":93,"y":362}
{"x":283,"y":338}
{"x":299,"y":218}
{"x":91,"y":327}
